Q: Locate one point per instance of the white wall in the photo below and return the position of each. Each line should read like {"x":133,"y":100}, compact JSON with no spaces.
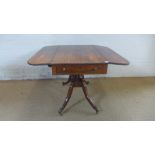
{"x":15,"y":50}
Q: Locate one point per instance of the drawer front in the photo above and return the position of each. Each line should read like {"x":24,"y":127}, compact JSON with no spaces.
{"x":79,"y":69}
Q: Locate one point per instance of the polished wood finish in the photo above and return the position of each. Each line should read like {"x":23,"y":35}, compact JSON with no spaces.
{"x":76,"y":54}
{"x":75,"y":61}
{"x":79,"y":69}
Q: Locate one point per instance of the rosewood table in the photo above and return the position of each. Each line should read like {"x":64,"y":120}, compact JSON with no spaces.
{"x":77,"y":61}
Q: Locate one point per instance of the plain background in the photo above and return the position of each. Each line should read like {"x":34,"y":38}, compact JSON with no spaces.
{"x":15,"y":50}
{"x":72,"y":17}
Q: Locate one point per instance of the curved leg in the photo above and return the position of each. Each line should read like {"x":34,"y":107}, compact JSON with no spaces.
{"x":67,"y":99}
{"x":69,"y":79}
{"x":84,"y":88}
{"x":86,"y":82}
{"x":83,"y":80}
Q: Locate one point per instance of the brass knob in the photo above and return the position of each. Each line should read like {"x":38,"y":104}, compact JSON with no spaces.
{"x":95,"y":69}
{"x":64,"y":69}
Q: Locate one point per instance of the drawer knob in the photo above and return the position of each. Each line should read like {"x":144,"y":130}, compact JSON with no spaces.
{"x":95,"y":69}
{"x":64,"y":69}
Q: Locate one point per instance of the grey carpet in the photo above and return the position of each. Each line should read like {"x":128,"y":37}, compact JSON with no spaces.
{"x":118,"y":99}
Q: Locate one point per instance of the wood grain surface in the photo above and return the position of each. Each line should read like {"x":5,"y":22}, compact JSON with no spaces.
{"x":79,"y":69}
{"x":76,"y":54}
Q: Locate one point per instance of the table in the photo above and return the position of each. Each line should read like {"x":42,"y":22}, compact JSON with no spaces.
{"x":77,"y":61}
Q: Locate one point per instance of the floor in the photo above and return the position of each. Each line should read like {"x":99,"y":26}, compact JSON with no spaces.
{"x":118,"y":99}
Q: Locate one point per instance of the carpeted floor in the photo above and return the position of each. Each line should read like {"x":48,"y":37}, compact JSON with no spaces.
{"x":118,"y":99}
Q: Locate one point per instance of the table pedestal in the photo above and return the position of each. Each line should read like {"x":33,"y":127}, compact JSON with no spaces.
{"x":77,"y":81}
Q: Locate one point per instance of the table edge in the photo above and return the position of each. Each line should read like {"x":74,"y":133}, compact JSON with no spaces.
{"x":53,"y":64}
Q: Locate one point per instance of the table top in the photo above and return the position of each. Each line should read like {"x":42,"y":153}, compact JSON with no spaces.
{"x":76,"y":54}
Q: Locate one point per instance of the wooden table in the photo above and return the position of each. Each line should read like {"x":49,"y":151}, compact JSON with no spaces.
{"x":77,"y":61}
